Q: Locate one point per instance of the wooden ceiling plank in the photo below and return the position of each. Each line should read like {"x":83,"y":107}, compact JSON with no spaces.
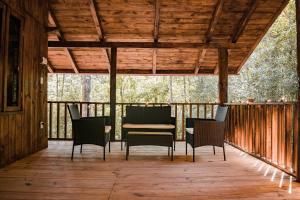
{"x":201,"y":57}
{"x":214,"y":20}
{"x":244,"y":21}
{"x":99,"y":28}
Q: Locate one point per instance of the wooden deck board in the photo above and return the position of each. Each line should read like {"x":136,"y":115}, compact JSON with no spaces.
{"x":149,"y":174}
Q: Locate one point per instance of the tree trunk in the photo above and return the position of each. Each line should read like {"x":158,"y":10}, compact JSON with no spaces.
{"x":171,"y":89}
{"x":86,"y":92}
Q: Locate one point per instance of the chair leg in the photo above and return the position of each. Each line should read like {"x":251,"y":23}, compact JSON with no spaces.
{"x":174,"y":145}
{"x":72,"y":152}
{"x":121,"y":145}
{"x":185,"y":147}
{"x":127,"y":151}
{"x":224,"y":153}
{"x":104,"y":153}
{"x":193,"y":154}
{"x":81,"y":149}
{"x":168,"y":151}
{"x":109,"y":146}
{"x":172,"y":153}
{"x":214,"y":150}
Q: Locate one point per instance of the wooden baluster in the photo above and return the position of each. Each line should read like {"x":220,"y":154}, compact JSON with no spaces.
{"x":96,"y":109}
{"x":57,"y":119}
{"x":50,"y":120}
{"x":197,"y":110}
{"x":103,"y":109}
{"x":65,"y":121}
{"x":182,"y":123}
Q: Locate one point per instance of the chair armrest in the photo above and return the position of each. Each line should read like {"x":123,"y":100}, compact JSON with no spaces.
{"x":189,"y":122}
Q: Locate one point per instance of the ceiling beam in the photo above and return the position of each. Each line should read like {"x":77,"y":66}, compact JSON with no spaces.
{"x":156,"y":20}
{"x":99,"y":44}
{"x":96,"y":20}
{"x":99,"y":28}
{"x":61,"y":37}
{"x":49,"y":67}
{"x":155,"y":34}
{"x":200,"y":59}
{"x":53,"y":19}
{"x":244,"y":21}
{"x":214,"y":20}
{"x":72,"y":60}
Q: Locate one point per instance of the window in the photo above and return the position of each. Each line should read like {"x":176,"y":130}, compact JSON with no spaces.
{"x":12,"y":89}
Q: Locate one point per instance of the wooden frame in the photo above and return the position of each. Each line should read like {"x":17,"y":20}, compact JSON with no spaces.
{"x":2,"y":55}
{"x":7,"y":108}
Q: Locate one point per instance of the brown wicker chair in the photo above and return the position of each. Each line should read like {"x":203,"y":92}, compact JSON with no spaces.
{"x":203,"y":132}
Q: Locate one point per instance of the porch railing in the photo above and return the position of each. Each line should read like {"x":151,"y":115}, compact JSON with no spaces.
{"x":267,"y":131}
{"x":60,"y":127}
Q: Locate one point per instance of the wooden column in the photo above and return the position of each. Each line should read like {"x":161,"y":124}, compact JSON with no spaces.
{"x":223,"y":75}
{"x":298,"y":71}
{"x":113,"y":81}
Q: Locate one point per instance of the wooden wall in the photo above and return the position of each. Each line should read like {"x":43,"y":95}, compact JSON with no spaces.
{"x":20,"y":132}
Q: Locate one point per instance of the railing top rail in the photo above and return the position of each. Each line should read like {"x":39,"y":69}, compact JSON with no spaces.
{"x":178,"y":103}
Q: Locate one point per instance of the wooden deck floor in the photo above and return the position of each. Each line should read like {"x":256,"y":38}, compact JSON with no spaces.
{"x":149,"y":174}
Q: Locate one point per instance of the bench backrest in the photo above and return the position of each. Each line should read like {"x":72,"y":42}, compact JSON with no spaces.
{"x":148,"y":115}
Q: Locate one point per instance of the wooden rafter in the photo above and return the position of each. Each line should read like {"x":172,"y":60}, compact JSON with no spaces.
{"x":156,"y":20}
{"x":244,"y":21}
{"x":155,"y":34}
{"x":151,"y":45}
{"x":99,"y":28}
{"x":50,"y":67}
{"x":60,"y":37}
{"x":200,"y":60}
{"x":214,"y":20}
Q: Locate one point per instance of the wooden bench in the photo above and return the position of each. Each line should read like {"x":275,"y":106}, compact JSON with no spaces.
{"x":140,"y":138}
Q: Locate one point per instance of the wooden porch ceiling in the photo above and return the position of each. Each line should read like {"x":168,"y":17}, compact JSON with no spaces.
{"x":156,"y":36}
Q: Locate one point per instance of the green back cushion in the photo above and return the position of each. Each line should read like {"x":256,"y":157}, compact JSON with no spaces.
{"x":148,"y":115}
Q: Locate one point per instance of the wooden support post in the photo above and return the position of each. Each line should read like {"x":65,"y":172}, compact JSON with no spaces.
{"x":223,"y":75}
{"x":298,"y":71}
{"x":113,"y":81}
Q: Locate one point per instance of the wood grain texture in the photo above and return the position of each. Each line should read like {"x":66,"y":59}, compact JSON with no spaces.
{"x":149,"y":174}
{"x":20,"y":133}
{"x":175,"y":22}
{"x":223,"y":76}
{"x":298,"y":72}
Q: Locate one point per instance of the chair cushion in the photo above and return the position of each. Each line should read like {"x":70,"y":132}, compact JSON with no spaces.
{"x":149,"y":133}
{"x":149,"y":126}
{"x":157,"y":115}
{"x":135,"y":114}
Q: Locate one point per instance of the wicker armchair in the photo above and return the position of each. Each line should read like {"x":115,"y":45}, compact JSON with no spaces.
{"x":203,"y":132}
{"x":89,"y":130}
